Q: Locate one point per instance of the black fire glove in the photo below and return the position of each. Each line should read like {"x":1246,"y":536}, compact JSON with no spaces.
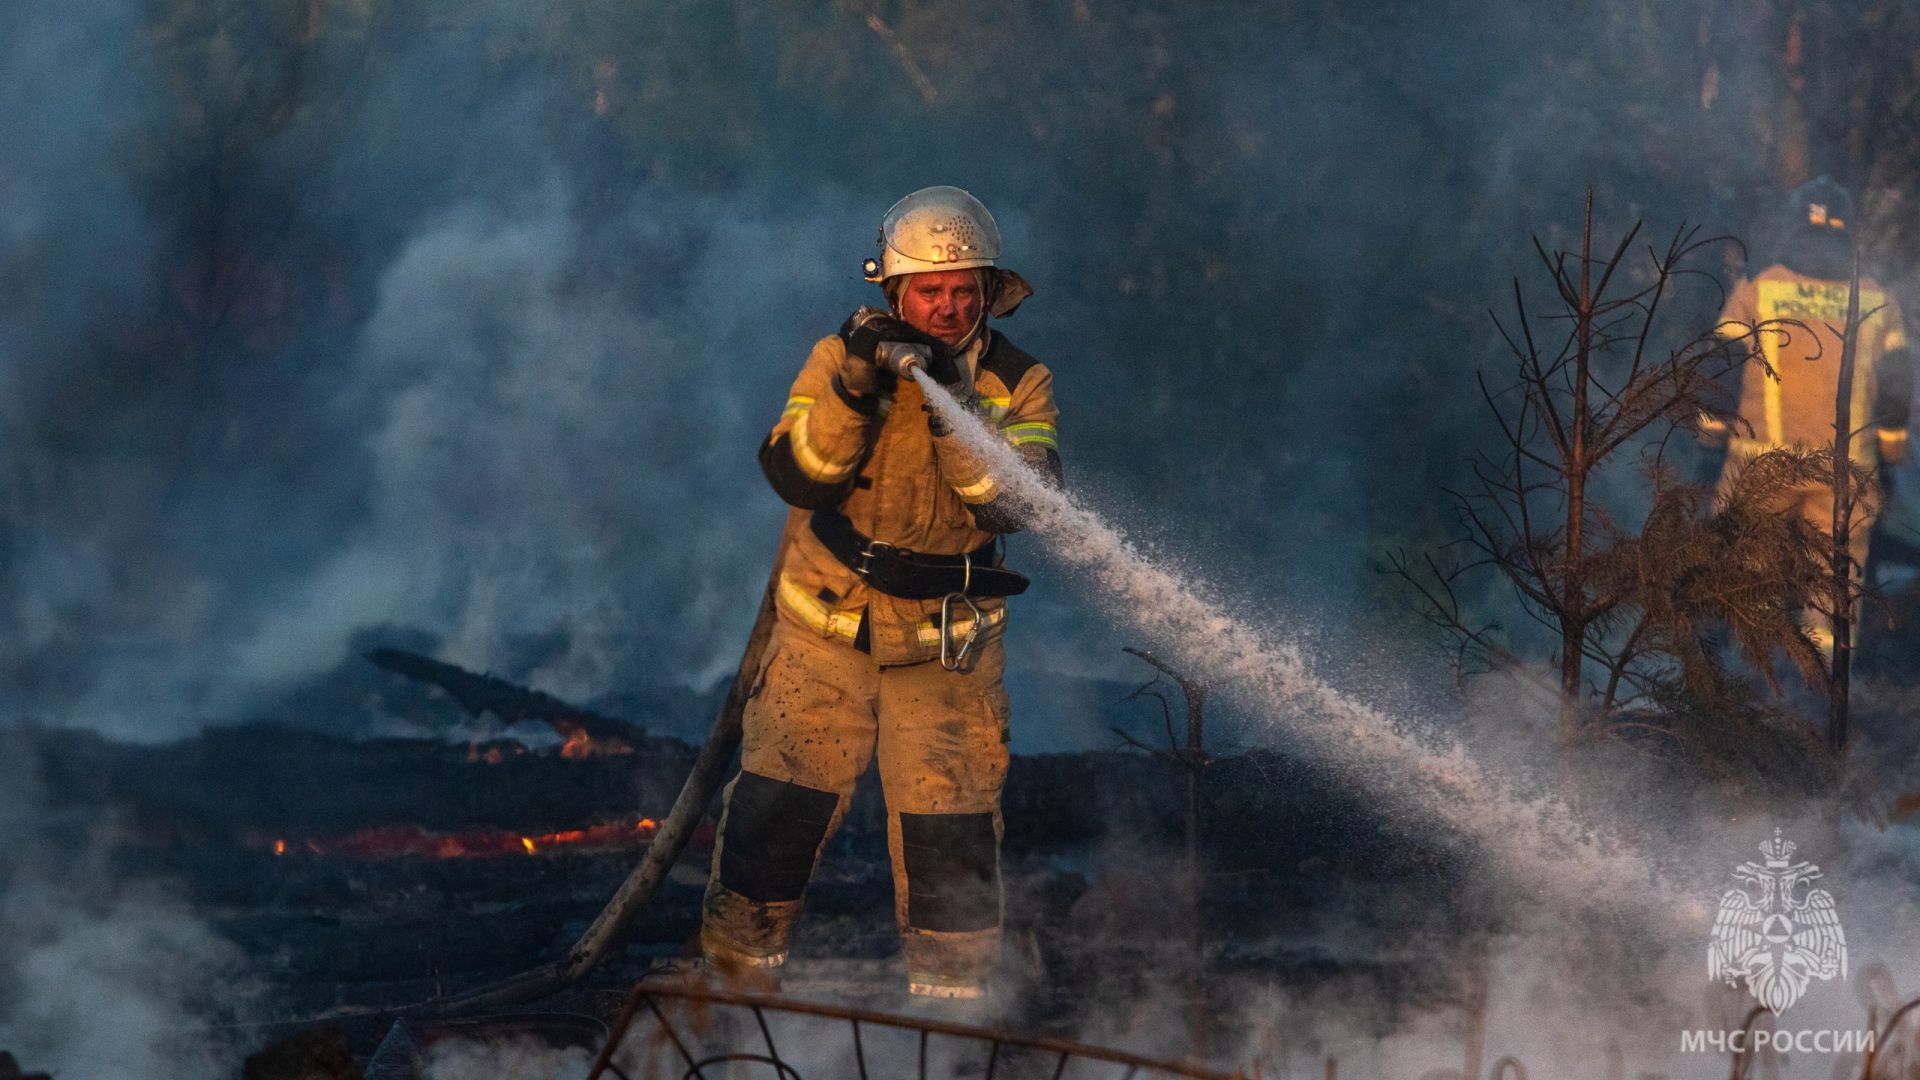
{"x":868,"y":327}
{"x":1885,"y":476}
{"x":859,"y":373}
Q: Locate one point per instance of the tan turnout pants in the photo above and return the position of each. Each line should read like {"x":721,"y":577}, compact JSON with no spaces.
{"x":820,"y":711}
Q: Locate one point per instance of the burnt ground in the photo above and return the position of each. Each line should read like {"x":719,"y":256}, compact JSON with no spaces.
{"x":1093,"y":853}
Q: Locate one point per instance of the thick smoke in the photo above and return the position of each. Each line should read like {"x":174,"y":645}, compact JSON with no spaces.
{"x":542,"y":461}
{"x":453,"y":323}
{"x":101,"y":976}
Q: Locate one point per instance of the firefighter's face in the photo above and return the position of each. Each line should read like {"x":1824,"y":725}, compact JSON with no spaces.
{"x":943,"y":303}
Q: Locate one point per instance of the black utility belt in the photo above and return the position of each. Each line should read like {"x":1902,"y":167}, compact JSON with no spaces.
{"x":912,"y":576}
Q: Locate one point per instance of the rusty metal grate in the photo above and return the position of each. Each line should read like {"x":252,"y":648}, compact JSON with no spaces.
{"x":700,"y":1011}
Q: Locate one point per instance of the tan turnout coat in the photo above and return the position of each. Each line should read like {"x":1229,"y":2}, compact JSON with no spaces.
{"x":909,"y":489}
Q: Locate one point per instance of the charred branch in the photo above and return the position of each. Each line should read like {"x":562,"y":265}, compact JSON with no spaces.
{"x":510,"y":702}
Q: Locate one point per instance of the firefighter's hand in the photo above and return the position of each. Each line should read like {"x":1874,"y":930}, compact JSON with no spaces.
{"x":1885,"y":475}
{"x":864,"y":378}
{"x":868,"y":328}
{"x":858,"y":372}
{"x":897,"y":347}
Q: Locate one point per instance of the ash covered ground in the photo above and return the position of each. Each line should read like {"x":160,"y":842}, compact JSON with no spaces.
{"x":252,"y":830}
{"x":274,"y":879}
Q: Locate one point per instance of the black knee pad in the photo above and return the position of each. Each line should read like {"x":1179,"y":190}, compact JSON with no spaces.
{"x":773,"y":829}
{"x":953,"y":871}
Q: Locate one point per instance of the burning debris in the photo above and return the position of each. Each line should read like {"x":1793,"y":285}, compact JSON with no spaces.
{"x":393,"y":841}
{"x":377,"y":912}
{"x":586,"y":733}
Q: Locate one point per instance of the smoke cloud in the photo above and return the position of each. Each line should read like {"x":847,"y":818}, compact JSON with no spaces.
{"x":462,"y":326}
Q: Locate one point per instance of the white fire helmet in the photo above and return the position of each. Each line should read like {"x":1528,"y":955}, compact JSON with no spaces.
{"x":944,"y":228}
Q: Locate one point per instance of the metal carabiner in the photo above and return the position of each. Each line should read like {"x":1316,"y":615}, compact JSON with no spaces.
{"x":949,"y":658}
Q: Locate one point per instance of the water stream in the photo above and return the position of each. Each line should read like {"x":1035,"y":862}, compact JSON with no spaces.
{"x":1537,"y":842}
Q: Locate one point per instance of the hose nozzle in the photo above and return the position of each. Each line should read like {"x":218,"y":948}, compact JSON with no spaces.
{"x":902,"y":357}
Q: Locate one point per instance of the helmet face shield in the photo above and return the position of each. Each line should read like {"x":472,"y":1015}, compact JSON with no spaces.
{"x":936,"y":228}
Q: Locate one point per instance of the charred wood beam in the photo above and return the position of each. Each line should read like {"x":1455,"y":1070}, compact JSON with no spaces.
{"x":510,"y":702}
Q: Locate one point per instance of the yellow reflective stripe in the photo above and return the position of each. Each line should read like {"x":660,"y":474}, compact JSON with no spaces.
{"x":797,"y":405}
{"x":980,"y":491}
{"x":815,"y":613}
{"x":928,"y":634}
{"x":811,"y":462}
{"x":1037,"y":432}
{"x":1733,"y":330}
{"x":1893,"y":444}
{"x":995,"y":408}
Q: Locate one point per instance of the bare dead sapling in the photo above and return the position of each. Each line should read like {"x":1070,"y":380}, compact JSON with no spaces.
{"x":1598,"y":382}
{"x":1193,"y":760}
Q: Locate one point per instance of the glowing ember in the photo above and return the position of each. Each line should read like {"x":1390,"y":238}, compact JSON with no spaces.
{"x":395,"y":841}
{"x":493,"y":753}
{"x":579,"y":744}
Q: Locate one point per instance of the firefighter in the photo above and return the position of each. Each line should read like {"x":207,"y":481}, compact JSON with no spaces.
{"x":891,"y":598}
{"x":1789,"y":313}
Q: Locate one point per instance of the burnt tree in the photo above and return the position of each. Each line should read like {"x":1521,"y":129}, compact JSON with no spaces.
{"x":1636,"y":606}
